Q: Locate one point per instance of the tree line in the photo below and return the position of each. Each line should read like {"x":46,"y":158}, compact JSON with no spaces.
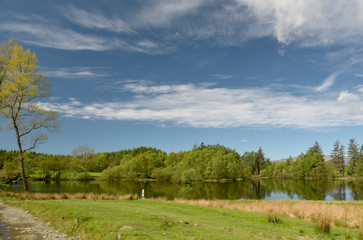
{"x":202,"y":163}
{"x":314,"y":164}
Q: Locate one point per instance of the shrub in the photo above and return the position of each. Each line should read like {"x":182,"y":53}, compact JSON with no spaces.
{"x":83,"y":176}
{"x":112,"y":173}
{"x":3,"y":186}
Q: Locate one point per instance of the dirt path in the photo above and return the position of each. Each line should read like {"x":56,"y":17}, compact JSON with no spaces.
{"x":18,"y":224}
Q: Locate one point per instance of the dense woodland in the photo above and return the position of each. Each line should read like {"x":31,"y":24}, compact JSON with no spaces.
{"x":203,"y":163}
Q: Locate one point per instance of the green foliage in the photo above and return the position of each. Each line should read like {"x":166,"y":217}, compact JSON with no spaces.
{"x":3,"y":186}
{"x":338,"y":157}
{"x":353,"y":154}
{"x":83,"y":176}
{"x":112,"y":173}
{"x":11,"y":170}
{"x":202,"y":163}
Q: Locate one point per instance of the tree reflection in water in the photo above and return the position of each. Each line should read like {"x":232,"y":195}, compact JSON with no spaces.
{"x":247,"y":189}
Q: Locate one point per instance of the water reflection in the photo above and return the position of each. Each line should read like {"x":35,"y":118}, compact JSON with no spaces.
{"x":248,"y":189}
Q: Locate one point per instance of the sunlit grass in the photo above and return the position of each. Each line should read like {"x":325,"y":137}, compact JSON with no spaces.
{"x":149,"y":219}
{"x":346,"y":214}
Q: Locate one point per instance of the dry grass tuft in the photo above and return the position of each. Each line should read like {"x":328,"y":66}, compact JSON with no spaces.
{"x":59,"y":196}
{"x":361,"y":230}
{"x":338,"y":214}
{"x":323,"y":223}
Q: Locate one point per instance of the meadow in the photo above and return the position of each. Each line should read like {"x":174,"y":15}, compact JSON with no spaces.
{"x":92,"y":216}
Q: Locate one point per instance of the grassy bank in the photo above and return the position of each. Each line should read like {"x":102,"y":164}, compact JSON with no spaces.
{"x":147,"y":219}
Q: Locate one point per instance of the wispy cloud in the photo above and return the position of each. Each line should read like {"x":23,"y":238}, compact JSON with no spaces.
{"x":323,"y":87}
{"x":59,"y":38}
{"x":170,"y":23}
{"x":54,"y":37}
{"x":309,"y":22}
{"x":222,"y":76}
{"x":205,"y":106}
{"x":75,"y":72}
{"x":162,"y":13}
{"x":95,"y":20}
{"x":328,"y":82}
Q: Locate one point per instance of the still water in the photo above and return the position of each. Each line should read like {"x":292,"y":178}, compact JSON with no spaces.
{"x":269,"y":189}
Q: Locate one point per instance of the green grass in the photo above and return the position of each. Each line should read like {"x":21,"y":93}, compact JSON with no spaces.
{"x":103,"y":219}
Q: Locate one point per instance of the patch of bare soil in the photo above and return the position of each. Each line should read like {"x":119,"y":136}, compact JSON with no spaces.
{"x":19,"y":224}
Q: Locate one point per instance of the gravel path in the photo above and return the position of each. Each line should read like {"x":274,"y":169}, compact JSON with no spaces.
{"x":5,"y":232}
{"x":18,"y":224}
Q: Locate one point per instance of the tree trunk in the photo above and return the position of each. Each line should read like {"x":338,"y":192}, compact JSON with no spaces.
{"x":22,"y":168}
{"x":21,"y":158}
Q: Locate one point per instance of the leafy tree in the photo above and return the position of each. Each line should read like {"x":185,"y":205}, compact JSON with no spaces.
{"x":358,"y":171}
{"x":5,"y":58}
{"x":338,"y":157}
{"x":353,"y":154}
{"x":250,"y":158}
{"x":11,"y":170}
{"x":260,"y":160}
{"x":307,"y":165}
{"x":22,"y":85}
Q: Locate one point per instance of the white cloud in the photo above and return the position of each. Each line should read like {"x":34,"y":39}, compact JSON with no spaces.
{"x":347,"y":97}
{"x":75,"y":72}
{"x":54,"y":37}
{"x":59,"y":38}
{"x":328,"y":82}
{"x":95,"y":20}
{"x":222,"y":76}
{"x":244,"y":140}
{"x":204,"y":106}
{"x":162,"y":13}
{"x":171,"y":23}
{"x":309,"y":22}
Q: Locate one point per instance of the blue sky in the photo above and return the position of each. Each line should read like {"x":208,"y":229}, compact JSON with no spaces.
{"x":171,"y":74}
